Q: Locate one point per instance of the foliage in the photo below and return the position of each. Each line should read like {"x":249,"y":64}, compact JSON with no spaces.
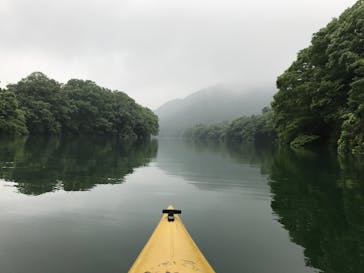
{"x":12,"y":120}
{"x":256,"y":128}
{"x":79,"y":107}
{"x":38,"y":97}
{"x":303,"y":141}
{"x":322,"y":93}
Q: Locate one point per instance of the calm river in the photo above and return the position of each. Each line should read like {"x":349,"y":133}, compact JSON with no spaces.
{"x":80,"y":205}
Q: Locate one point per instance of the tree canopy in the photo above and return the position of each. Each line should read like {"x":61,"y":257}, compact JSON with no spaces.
{"x":40,"y":105}
{"x":12,"y":120}
{"x":321,"y":95}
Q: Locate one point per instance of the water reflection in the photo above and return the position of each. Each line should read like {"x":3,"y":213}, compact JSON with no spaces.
{"x":316,"y":198}
{"x":39,"y":165}
{"x":214,"y":166}
{"x":320,"y":201}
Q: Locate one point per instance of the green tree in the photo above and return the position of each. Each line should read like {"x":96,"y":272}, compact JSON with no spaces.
{"x":38,"y":98}
{"x":79,"y":107}
{"x":12,"y":120}
{"x":320,"y":96}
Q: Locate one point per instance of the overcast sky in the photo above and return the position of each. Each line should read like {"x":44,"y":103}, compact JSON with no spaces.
{"x":157,"y":50}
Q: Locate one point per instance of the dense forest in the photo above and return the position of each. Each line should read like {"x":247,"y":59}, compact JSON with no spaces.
{"x":39,"y":105}
{"x":246,"y":129}
{"x":320,"y":97}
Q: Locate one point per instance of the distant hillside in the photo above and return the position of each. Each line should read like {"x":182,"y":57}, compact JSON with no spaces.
{"x":211,"y":105}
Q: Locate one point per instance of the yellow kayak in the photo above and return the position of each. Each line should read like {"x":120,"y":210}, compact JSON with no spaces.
{"x":171,"y":249}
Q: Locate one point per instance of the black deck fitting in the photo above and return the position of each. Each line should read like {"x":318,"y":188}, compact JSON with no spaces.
{"x":171,"y":213}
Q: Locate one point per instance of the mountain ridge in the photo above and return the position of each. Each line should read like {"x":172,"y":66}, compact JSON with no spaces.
{"x":213,"y":104}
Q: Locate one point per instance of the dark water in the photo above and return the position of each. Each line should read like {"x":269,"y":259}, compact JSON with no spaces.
{"x":89,"y":205}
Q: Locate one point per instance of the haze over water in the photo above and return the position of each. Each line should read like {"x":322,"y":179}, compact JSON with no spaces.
{"x":89,"y":205}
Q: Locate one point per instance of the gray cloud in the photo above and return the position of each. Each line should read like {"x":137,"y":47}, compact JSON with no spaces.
{"x":161,"y":49}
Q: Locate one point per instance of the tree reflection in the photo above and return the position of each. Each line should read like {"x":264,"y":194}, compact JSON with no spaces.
{"x":39,"y":165}
{"x":320,"y":201}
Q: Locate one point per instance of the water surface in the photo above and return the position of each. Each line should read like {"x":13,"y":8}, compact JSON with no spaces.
{"x":90,"y":204}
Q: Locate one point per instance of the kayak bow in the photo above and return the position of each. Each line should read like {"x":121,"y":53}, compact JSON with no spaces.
{"x":171,"y":249}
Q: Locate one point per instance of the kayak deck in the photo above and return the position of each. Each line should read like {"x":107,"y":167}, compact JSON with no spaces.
{"x":171,"y":249}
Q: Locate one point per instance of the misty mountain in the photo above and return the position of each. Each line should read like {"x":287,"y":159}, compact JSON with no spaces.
{"x":211,"y":105}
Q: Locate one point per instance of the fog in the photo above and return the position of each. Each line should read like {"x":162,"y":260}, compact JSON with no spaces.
{"x":158,"y":50}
